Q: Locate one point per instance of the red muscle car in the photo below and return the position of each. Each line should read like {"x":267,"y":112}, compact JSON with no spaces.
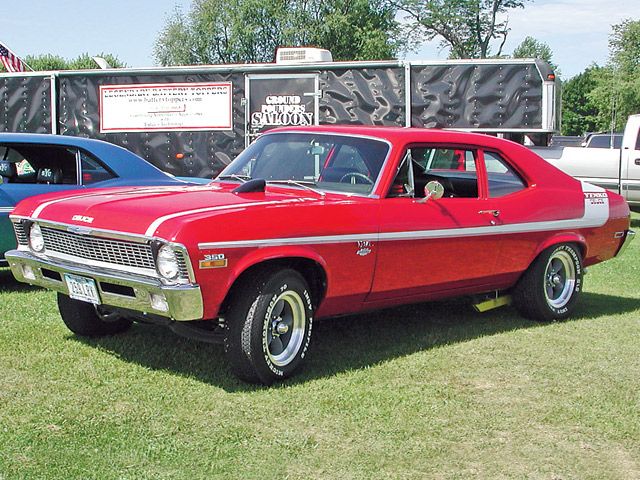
{"x":315,"y":222}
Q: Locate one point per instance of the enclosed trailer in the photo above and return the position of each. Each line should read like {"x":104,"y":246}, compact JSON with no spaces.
{"x":194,"y":120}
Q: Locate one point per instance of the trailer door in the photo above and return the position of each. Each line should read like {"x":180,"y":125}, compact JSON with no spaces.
{"x":280,"y":100}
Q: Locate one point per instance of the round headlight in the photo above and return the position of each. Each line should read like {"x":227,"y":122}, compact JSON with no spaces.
{"x":36,"y":240}
{"x":167,"y":262}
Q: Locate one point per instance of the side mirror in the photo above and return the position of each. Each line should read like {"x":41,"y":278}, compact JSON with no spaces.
{"x":432,"y":189}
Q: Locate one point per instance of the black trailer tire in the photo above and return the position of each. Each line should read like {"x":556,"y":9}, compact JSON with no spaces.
{"x":550,"y":288}
{"x":84,"y":319}
{"x":269,"y":323}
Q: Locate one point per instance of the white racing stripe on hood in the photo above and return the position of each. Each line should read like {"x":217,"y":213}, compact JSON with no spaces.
{"x":159,"y":221}
{"x":596,"y":214}
{"x":146,"y":190}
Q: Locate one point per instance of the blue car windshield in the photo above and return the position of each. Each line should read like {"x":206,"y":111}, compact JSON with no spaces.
{"x":329,"y":162}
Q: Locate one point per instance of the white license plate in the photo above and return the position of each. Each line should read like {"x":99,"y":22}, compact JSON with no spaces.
{"x":82,"y":288}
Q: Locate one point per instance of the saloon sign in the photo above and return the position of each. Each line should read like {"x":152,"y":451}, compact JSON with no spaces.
{"x":278,"y":101}
{"x":280,"y":110}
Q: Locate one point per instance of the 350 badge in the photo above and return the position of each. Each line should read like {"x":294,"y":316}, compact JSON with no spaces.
{"x":214,"y":260}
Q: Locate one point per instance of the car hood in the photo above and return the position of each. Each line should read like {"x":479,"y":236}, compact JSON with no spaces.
{"x":144,"y":210}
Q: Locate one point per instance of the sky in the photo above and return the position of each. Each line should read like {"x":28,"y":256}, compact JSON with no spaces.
{"x":576,"y":30}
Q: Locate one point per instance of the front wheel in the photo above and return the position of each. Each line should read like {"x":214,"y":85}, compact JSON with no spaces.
{"x":90,"y":320}
{"x":549,"y":289}
{"x":269,"y":326}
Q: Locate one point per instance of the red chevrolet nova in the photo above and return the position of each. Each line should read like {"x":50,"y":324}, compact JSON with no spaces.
{"x":320,"y":221}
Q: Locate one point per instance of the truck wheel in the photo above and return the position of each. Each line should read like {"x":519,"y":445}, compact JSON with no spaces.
{"x":269,"y":326}
{"x":89,"y":320}
{"x":549,"y":289}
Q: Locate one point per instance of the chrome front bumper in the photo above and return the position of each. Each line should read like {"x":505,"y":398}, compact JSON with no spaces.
{"x":117,"y":289}
{"x":629,"y":236}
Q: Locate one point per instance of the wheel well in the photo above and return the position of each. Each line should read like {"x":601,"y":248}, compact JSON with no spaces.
{"x":311,"y":271}
{"x":582,"y":248}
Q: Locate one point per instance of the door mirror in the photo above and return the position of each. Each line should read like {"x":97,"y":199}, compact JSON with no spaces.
{"x":433,"y":189}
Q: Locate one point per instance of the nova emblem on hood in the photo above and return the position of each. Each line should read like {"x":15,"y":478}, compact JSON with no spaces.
{"x":82,"y":218}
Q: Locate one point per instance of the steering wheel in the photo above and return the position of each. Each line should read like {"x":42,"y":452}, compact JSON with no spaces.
{"x":356,"y":175}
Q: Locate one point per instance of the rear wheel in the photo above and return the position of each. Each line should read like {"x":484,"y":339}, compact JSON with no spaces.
{"x":550,"y":287}
{"x":90,"y":320}
{"x":269,"y":326}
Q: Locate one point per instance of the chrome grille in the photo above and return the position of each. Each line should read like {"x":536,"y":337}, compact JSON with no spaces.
{"x":182,"y":264}
{"x":117,"y":252}
{"x":21,"y":234}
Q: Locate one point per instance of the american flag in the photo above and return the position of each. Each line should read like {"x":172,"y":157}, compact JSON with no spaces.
{"x":10,"y":60}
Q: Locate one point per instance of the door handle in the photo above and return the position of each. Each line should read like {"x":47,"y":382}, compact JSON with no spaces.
{"x":637,"y":162}
{"x":495,"y":213}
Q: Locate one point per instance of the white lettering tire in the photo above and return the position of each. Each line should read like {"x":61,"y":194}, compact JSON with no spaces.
{"x":269,"y":325}
{"x":549,"y":289}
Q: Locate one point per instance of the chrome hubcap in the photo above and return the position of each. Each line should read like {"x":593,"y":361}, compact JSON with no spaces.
{"x":285,"y":328}
{"x":281,"y":328}
{"x":559,"y":279}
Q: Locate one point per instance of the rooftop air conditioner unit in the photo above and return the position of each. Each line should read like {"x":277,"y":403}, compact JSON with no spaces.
{"x":291,"y":56}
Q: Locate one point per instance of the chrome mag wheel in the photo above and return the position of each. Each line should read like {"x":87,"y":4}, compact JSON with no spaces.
{"x":559,"y":279}
{"x":285,"y":328}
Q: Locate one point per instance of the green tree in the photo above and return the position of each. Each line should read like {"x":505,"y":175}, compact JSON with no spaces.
{"x":532,"y":48}
{"x":46,"y":62}
{"x":84,"y":61}
{"x":579,"y":111}
{"x":617,"y":93}
{"x":239,"y":31}
{"x":466,"y":27}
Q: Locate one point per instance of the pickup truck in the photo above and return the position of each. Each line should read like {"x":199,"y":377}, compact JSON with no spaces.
{"x":614,"y":169}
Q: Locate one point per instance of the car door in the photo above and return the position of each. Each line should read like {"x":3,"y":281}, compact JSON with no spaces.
{"x":631,"y":169}
{"x":27,"y":170}
{"x":430,"y":245}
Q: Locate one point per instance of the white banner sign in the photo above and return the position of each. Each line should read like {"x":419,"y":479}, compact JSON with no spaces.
{"x":166,"y":107}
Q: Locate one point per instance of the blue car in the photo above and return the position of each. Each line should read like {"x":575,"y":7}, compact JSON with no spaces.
{"x":31,"y":164}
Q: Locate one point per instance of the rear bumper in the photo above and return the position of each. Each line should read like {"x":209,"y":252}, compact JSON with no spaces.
{"x":117,"y":289}
{"x":629,"y":235}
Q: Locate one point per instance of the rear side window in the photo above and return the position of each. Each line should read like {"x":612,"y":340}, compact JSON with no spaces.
{"x":503,"y":180}
{"x":93,"y":170}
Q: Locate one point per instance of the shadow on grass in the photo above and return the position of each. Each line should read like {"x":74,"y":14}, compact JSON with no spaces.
{"x":9,"y":284}
{"x":345,"y":343}
{"x":635,"y":222}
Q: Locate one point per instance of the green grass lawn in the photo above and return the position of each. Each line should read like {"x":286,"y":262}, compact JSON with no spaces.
{"x":426,"y":391}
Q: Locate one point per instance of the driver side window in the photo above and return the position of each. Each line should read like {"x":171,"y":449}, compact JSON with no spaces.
{"x":452,"y":167}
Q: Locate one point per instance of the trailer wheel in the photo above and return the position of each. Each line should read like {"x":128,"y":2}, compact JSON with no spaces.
{"x":549,"y":289}
{"x":88,"y":320}
{"x":269,"y":326}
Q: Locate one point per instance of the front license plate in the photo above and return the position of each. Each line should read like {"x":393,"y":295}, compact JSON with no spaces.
{"x":82,"y":288}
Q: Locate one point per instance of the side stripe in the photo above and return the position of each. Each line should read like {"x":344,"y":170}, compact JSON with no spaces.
{"x":596,"y":213}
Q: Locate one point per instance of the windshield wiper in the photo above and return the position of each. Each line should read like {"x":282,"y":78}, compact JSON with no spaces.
{"x":299,"y":183}
{"x":241,"y":178}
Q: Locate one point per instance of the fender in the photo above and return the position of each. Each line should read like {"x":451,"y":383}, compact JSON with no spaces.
{"x":261,"y":255}
{"x":564,"y":237}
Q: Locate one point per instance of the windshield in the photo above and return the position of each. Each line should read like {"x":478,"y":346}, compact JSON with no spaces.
{"x":327,"y":162}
